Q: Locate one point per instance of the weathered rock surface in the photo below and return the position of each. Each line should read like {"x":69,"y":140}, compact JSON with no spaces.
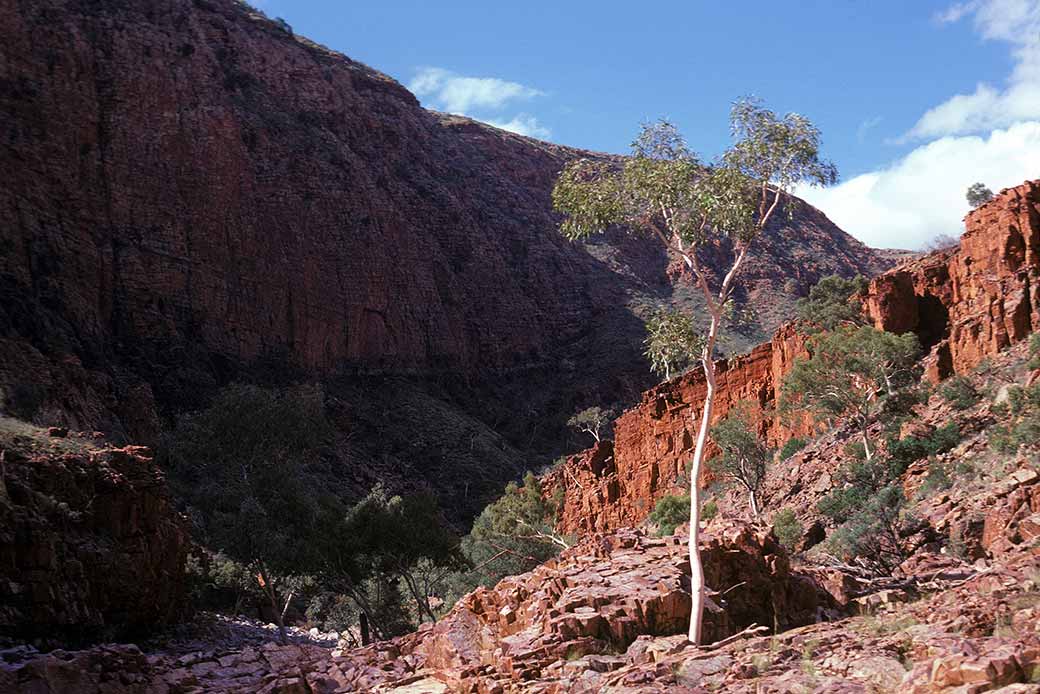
{"x":971,"y":302}
{"x":90,"y":544}
{"x":617,"y":483}
{"x":567,"y":619}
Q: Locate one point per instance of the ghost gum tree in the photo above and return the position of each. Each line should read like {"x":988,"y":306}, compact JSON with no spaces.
{"x":664,"y":190}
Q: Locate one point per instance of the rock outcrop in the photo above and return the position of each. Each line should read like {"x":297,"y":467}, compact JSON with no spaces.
{"x":970,"y":303}
{"x":90,"y":544}
{"x":568,"y":620}
{"x":617,"y":483}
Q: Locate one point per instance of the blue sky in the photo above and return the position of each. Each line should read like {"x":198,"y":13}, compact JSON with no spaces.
{"x":916,"y":100}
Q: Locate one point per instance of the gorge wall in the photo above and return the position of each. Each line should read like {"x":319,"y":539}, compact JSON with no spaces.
{"x":964,"y":304}
{"x":190,"y":190}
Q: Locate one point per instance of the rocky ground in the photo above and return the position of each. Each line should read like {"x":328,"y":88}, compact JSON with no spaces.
{"x":609,"y":616}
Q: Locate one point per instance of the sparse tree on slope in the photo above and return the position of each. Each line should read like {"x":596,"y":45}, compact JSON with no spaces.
{"x":663,"y":190}
{"x":978,"y":194}
{"x":851,"y":373}
{"x":832,"y":302}
{"x":592,"y":421}
{"x":743,"y":457}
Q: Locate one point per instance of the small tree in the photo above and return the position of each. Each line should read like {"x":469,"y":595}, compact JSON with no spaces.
{"x":402,"y":538}
{"x":978,"y":194}
{"x":672,"y":342}
{"x":875,"y":534}
{"x":515,"y":533}
{"x":942,"y":242}
{"x":743,"y":457}
{"x":851,"y":373}
{"x":664,"y":190}
{"x":669,"y":513}
{"x":240,"y":466}
{"x":592,"y":421}
{"x":833,"y":302}
{"x":788,"y":529}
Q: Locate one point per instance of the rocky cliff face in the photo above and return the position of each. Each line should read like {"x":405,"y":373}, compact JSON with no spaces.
{"x":617,"y":483}
{"x":90,"y":544}
{"x":965,"y":305}
{"x":192,"y":194}
{"x":971,"y":302}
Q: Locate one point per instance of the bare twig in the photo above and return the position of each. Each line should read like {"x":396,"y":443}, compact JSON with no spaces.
{"x":753,"y":630}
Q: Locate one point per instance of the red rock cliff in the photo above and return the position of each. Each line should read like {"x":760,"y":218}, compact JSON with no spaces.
{"x":616,"y":484}
{"x":965,"y":304}
{"x":976,"y":300}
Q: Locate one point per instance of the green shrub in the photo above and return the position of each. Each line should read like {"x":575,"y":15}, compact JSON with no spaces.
{"x":903,"y":452}
{"x":935,"y":481}
{"x":1034,"y":351}
{"x":1022,"y":412}
{"x":670,"y":512}
{"x":788,"y":528}
{"x":833,"y":302}
{"x":709,"y":510}
{"x":875,"y":534}
{"x":515,"y":533}
{"x":792,"y":446}
{"x":959,"y":392}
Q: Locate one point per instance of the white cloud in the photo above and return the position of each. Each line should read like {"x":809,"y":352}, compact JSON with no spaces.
{"x":922,"y":195}
{"x":522,"y":124}
{"x":1016,"y":22}
{"x":483,"y":98}
{"x":459,"y":94}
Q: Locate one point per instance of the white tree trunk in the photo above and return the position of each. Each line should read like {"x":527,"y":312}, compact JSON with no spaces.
{"x":697,"y":592}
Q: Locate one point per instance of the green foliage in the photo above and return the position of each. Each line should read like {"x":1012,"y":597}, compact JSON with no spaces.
{"x":401,"y":540}
{"x":248,"y":471}
{"x":672,"y":342}
{"x":788,"y":529}
{"x":875,"y":534}
{"x":242,"y":468}
{"x":1022,"y":426}
{"x":709,"y":510}
{"x":742,"y":456}
{"x":515,"y":533}
{"x":857,"y":480}
{"x":1034,"y":351}
{"x":851,"y":372}
{"x":792,"y":446}
{"x":912,"y":448}
{"x":978,"y":194}
{"x":959,"y":392}
{"x":592,"y":421}
{"x":783,"y":151}
{"x":833,"y":302}
{"x":670,"y":512}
